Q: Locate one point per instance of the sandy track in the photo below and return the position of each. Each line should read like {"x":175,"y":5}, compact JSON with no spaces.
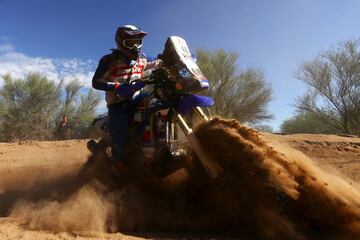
{"x":24,"y":164}
{"x":338,"y":154}
{"x":10,"y":228}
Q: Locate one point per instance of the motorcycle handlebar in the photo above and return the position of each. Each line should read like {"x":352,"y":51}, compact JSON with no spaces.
{"x":147,"y":82}
{"x":151,"y":79}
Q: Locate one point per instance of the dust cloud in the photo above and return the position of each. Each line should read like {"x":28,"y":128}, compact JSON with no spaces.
{"x":284,"y":192}
{"x":267,"y":191}
{"x":86,"y":209}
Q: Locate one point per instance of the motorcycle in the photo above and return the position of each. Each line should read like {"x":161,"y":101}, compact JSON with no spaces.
{"x":167,"y":111}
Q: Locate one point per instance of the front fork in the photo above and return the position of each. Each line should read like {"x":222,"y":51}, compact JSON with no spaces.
{"x":213,"y":169}
{"x":198,"y":111}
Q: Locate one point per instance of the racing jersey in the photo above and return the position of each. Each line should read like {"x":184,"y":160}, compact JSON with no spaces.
{"x":116,"y":68}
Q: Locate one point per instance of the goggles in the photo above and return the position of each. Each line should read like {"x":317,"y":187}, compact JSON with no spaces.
{"x":133,"y":43}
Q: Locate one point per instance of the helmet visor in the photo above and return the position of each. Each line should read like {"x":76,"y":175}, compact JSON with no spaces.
{"x":133,"y":43}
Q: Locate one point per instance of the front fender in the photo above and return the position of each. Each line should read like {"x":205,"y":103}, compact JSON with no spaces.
{"x":188,"y":102}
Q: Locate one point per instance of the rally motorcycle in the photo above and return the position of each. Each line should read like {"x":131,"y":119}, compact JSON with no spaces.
{"x":165,"y":116}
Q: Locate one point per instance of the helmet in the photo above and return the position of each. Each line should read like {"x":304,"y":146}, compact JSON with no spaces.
{"x":128,"y":39}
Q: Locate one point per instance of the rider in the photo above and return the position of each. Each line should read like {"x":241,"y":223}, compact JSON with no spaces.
{"x":115,"y":74}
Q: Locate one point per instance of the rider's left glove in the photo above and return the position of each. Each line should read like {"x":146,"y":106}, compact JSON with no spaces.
{"x":123,"y":90}
{"x":127,"y":90}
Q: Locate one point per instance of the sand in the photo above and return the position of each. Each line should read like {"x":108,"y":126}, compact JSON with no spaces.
{"x":331,"y":163}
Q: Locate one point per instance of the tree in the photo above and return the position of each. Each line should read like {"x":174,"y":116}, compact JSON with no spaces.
{"x":84,"y":114}
{"x":79,"y":108}
{"x":263,"y":128}
{"x":333,"y":80}
{"x":30,"y":105}
{"x":240,"y":95}
{"x":2,"y":109}
{"x":304,"y":123}
{"x":72,"y":89}
{"x":31,"y":108}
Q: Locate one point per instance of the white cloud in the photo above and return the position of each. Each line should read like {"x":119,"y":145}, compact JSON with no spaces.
{"x":7,"y":48}
{"x":20,"y":65}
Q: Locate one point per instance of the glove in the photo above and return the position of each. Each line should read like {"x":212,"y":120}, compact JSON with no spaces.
{"x":137,"y":85}
{"x":123,"y":90}
{"x":159,"y":74}
{"x":127,"y":90}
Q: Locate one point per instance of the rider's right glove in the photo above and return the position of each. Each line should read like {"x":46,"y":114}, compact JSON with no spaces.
{"x":159,"y":74}
{"x":137,"y":85}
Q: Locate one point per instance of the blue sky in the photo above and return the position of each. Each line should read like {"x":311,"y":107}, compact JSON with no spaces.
{"x":67,"y":37}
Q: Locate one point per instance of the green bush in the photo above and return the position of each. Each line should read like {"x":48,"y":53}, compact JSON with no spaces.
{"x":31,"y":108}
{"x":243,"y":95}
{"x":304,"y":123}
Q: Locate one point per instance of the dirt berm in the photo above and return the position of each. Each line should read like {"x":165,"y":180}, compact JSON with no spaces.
{"x":269,"y":190}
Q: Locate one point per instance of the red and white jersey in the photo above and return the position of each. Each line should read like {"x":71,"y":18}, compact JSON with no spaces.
{"x":126,"y":73}
{"x":115,"y":68}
